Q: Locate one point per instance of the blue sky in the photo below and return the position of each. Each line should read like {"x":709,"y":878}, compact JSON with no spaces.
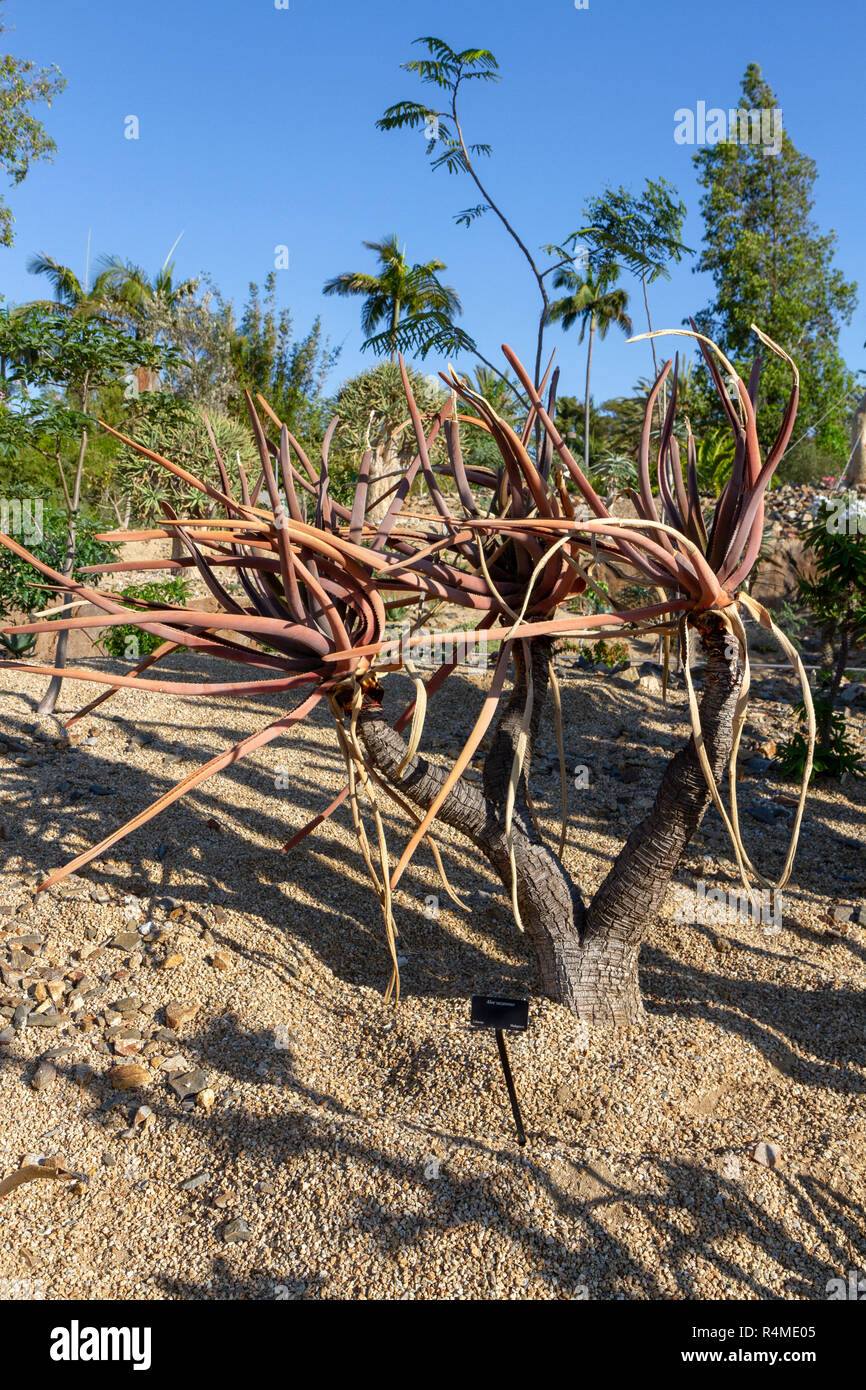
{"x":257,"y":129}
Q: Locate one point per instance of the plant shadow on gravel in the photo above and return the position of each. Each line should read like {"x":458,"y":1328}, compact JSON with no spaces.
{"x":798,"y":1030}
{"x":347,"y":936}
{"x":691,"y":1216}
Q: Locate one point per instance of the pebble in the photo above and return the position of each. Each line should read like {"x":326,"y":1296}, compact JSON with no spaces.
{"x":44,"y":1076}
{"x":178,"y":1014}
{"x":236,"y":1230}
{"x":188,"y":1083}
{"x":125,"y":941}
{"x":198,"y":1180}
{"x":768,"y":1155}
{"x":128,"y":1076}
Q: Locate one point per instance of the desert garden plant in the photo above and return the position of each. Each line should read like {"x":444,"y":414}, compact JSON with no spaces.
{"x":512,"y":554}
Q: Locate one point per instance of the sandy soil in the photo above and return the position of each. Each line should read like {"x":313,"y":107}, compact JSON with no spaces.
{"x":336,"y":1147}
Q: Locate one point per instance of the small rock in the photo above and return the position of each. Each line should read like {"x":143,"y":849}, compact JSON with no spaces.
{"x":236,"y":1230}
{"x":128,"y":1076}
{"x":188,"y":1083}
{"x":847,"y":914}
{"x":768,"y":1155}
{"x":192,"y":1183}
{"x":431,"y":1167}
{"x":206,"y":1099}
{"x":172,"y":962}
{"x":178,"y":1014}
{"x":175,"y":1063}
{"x":43,"y":1077}
{"x":220,"y":961}
{"x":100,"y":894}
{"x":82,"y":1072}
{"x":129,"y":1004}
{"x":125,"y":941}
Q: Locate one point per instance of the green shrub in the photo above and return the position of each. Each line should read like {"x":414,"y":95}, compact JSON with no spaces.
{"x":611,"y":654}
{"x":20,"y":587}
{"x":131,"y":643}
{"x":835,"y":756}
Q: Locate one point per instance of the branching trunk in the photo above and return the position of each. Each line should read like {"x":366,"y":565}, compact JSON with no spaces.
{"x":550,"y":907}
{"x":587,"y":957}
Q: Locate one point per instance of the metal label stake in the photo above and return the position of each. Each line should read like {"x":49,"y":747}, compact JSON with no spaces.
{"x":498,"y":1013}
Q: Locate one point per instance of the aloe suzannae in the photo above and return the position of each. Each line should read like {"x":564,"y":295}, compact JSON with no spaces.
{"x":509,"y":545}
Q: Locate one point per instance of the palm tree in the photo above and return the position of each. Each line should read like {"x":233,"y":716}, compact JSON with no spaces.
{"x":147,"y":303}
{"x":596,"y":305}
{"x":71,"y":296}
{"x":139,"y":294}
{"x":401,"y":295}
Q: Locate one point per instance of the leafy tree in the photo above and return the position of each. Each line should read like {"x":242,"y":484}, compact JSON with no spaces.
{"x":198,"y":327}
{"x":773,"y":267}
{"x":447,"y":147}
{"x":837,"y":599}
{"x":177,"y":431}
{"x":23,"y":138}
{"x":72,"y":295}
{"x":265,"y":357}
{"x":145,"y":298}
{"x":409,"y":299}
{"x":56,"y":363}
{"x":642,"y":231}
{"x":596,"y":304}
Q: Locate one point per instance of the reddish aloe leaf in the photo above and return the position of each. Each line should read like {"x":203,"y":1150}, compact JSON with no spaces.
{"x":201,"y":774}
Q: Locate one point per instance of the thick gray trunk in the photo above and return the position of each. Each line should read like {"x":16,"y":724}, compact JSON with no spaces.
{"x":587,"y":958}
{"x":626,"y":904}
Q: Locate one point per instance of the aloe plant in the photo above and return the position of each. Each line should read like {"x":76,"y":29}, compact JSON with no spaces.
{"x":18,"y":644}
{"x":512,"y":545}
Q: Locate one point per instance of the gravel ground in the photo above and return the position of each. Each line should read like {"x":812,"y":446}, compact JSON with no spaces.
{"x":294,"y":1137}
